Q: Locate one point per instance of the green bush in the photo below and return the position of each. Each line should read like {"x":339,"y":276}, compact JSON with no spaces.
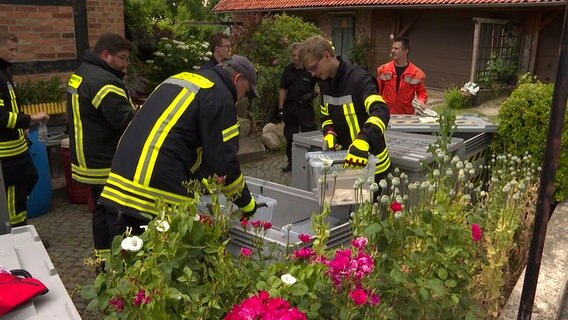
{"x":41,"y":91}
{"x":455,"y":99}
{"x":268,"y":46}
{"x":523,"y":126}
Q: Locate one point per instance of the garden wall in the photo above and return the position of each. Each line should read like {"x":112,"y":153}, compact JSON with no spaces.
{"x":54,"y":34}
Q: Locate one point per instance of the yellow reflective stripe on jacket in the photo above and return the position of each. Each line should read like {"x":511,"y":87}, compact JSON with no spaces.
{"x":102,"y":253}
{"x":197,"y":163}
{"x":12,"y":119}
{"x":383,"y":161}
{"x":192,"y":78}
{"x":231,"y":132}
{"x":89,"y":175}
{"x":13,"y":100}
{"x":234,"y":188}
{"x":377,"y":122}
{"x":372,"y":99}
{"x":79,"y":148}
{"x":1,"y":102}
{"x":351,"y":118}
{"x":106,"y":90}
{"x":249,"y":206}
{"x":128,"y":200}
{"x":324,"y":109}
{"x":13,"y":147}
{"x":144,"y":190}
{"x":159,"y":133}
{"x":326,"y":123}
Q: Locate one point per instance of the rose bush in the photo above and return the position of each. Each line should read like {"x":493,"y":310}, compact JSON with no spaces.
{"x":442,"y":248}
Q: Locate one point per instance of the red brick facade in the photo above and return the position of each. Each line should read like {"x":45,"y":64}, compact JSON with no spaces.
{"x":48,"y":33}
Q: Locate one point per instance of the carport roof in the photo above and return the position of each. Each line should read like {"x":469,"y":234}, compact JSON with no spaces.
{"x":273,"y":5}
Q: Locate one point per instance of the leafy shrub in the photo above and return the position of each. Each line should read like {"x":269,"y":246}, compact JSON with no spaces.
{"x":173,"y":56}
{"x":267,"y":44}
{"x":523,"y":127}
{"x":455,"y":99}
{"x":41,"y":91}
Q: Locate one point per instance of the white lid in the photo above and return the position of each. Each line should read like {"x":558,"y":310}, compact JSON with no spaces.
{"x":65,"y":143}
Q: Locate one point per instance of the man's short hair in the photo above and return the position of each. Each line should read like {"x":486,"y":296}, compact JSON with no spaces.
{"x":5,"y":35}
{"x":215,"y":40}
{"x":315,"y":46}
{"x":405,"y":42}
{"x":112,"y":43}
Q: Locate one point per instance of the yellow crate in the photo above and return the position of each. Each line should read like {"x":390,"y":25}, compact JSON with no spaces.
{"x":50,"y":108}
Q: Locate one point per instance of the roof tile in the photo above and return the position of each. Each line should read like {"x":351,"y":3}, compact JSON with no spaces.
{"x":261,"y":5}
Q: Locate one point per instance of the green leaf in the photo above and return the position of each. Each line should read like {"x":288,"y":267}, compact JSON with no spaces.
{"x":455,"y":298}
{"x":424,"y":295}
{"x":427,"y":216}
{"x":88,"y":292}
{"x":435,"y":284}
{"x":372,"y":229}
{"x":451,"y":283}
{"x":261,"y":285}
{"x":470,"y":316}
{"x":93,"y":305}
{"x":442,"y":273}
{"x":397,"y":275}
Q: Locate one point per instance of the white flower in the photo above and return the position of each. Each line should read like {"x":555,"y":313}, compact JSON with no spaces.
{"x":196,"y":217}
{"x":163,"y":226}
{"x":288,"y":279}
{"x":159,"y":54}
{"x":133,"y":244}
{"x":144,"y":227}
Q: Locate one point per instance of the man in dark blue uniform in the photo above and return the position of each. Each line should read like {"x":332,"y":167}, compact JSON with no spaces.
{"x":295,"y":101}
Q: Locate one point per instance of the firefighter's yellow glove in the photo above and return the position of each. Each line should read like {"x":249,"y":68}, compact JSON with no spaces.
{"x":358,"y":155}
{"x":330,"y":141}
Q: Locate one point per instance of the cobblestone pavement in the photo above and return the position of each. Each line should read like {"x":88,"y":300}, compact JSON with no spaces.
{"x":67,"y":228}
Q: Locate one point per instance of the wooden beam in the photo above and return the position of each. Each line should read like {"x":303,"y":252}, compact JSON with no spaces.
{"x":475,"y":51}
{"x":406,"y":28}
{"x":549,"y":20}
{"x":534,"y":44}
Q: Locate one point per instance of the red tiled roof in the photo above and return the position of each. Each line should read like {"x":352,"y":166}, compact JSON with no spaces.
{"x":264,"y":5}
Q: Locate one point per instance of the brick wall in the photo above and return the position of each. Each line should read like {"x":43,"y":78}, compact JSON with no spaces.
{"x":104,"y":16}
{"x":47,"y":33}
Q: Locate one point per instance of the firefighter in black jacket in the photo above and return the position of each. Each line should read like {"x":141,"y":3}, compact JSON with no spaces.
{"x":20,"y":175}
{"x":187,"y":129}
{"x":100,"y":109}
{"x":354,"y":115}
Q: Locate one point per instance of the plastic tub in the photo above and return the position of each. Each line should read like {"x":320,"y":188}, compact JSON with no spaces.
{"x":339,"y":190}
{"x":39,"y":201}
{"x":263,"y":213}
{"x":78,"y":193}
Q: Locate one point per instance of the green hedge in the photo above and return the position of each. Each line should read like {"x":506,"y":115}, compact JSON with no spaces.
{"x":523,"y":127}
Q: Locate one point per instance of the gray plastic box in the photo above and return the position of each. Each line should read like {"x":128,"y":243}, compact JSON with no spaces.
{"x":23,"y":249}
{"x":477,"y":133}
{"x":407,"y":152}
{"x":295,"y":208}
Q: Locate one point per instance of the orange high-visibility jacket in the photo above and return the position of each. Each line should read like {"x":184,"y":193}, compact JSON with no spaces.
{"x":411,"y":85}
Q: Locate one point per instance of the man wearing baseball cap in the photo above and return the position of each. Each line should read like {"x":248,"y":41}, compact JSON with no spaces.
{"x":186,"y":130}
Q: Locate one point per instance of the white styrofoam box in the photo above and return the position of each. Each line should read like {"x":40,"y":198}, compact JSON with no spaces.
{"x":339,"y":190}
{"x":264,"y":212}
{"x":23,"y":249}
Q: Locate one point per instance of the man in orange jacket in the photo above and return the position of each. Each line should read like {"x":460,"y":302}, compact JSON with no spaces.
{"x":400,"y":81}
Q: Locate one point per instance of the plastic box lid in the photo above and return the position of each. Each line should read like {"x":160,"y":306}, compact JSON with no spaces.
{"x":23,"y":249}
{"x":415,"y":123}
{"x":263,"y":213}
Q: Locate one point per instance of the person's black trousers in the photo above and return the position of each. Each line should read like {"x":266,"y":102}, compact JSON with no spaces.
{"x":20,"y":177}
{"x":297,"y":118}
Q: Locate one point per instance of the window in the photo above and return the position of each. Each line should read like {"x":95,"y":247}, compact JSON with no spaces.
{"x":342,"y":35}
{"x":496,"y":52}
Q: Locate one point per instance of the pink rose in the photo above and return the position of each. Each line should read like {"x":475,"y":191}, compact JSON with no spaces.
{"x":359,"y":242}
{"x":476,"y":232}
{"x":396,"y":206}
{"x":246,"y":252}
{"x":305,"y":238}
{"x":359,"y":296}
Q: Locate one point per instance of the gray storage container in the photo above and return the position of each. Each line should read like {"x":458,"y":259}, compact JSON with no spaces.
{"x":23,"y":249}
{"x":477,"y":132}
{"x":294,"y":208}
{"x":407,"y":151}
